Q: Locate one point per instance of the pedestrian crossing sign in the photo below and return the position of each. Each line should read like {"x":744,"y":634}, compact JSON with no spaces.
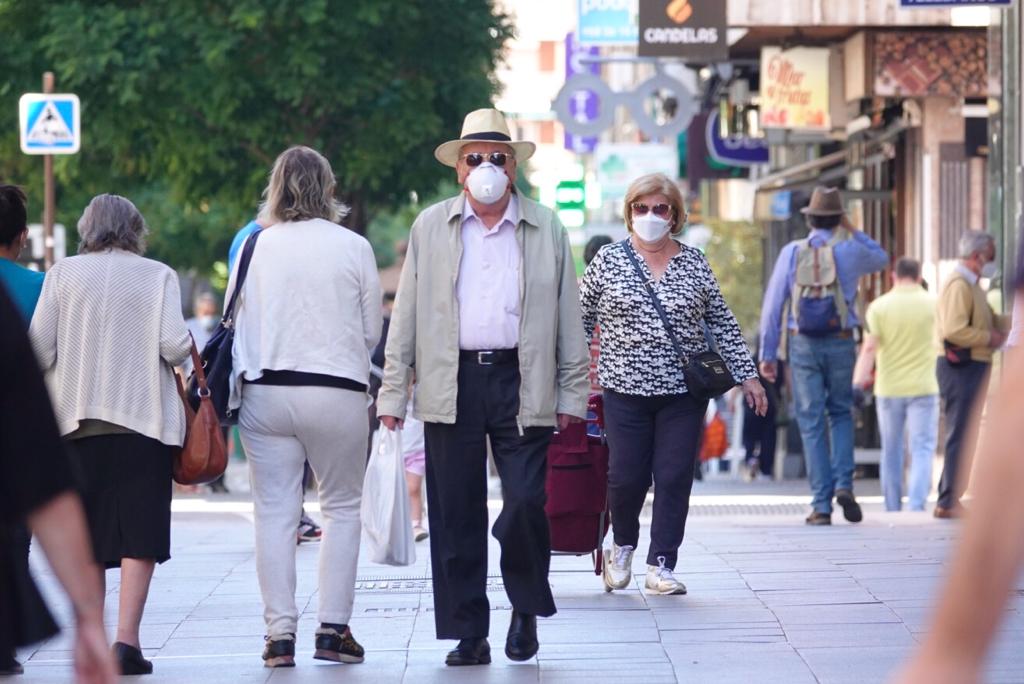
{"x":49,"y":123}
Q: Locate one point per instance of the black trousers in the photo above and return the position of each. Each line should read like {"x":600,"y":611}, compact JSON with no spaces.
{"x":652,"y":436}
{"x":959,"y":387}
{"x":760,"y":433}
{"x":456,"y":470}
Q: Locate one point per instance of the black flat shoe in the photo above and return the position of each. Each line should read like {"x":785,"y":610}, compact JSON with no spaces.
{"x":851,"y":509}
{"x":521,"y":643}
{"x":130,"y":660}
{"x":469,"y":652}
{"x":10,"y":666}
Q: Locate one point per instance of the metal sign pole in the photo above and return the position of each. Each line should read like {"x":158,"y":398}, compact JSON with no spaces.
{"x":49,"y":196}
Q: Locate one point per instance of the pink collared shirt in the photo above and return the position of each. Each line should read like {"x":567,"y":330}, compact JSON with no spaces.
{"x":488,"y":284}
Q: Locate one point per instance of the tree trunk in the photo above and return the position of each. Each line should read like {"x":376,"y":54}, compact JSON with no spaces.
{"x":357,"y":218}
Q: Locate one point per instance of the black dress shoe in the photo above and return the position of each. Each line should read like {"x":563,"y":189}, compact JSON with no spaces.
{"x":130,"y":660}
{"x":522,"y":637}
{"x":851,"y":509}
{"x":10,"y":666}
{"x":470,"y":652}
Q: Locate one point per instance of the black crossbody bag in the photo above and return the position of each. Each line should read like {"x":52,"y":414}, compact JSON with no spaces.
{"x":216,"y":355}
{"x":706,"y":374}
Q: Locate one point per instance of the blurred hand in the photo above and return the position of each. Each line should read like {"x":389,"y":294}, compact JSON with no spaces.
{"x":753,"y":392}
{"x":862,"y":381}
{"x":392,"y":423}
{"x":847,"y":224}
{"x":564,"y":419}
{"x":769,"y":370}
{"x":997,"y":339}
{"x":94,"y":661}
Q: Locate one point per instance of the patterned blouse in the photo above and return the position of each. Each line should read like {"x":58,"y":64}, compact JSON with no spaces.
{"x":637,"y":356}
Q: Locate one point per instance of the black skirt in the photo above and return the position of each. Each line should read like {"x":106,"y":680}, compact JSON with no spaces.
{"x":127,"y":496}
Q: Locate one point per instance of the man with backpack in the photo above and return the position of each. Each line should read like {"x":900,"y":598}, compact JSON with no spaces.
{"x":813,"y":290}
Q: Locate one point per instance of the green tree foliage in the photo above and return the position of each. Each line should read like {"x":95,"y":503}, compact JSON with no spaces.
{"x":735,"y":253}
{"x":186,"y":103}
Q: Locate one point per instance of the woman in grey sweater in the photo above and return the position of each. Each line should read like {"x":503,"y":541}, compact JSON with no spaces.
{"x":108,"y":332}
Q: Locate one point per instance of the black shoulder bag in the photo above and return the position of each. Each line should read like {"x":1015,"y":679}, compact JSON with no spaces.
{"x":706,"y":374}
{"x":216,"y":355}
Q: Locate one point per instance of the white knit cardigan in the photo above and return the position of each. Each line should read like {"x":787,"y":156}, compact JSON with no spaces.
{"x":107,"y":331}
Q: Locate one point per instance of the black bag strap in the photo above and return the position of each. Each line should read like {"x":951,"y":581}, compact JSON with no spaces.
{"x":243,"y":270}
{"x":656,"y":302}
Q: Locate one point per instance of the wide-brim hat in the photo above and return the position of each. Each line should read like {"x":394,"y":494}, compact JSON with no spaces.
{"x":824,"y":202}
{"x":483,"y":125}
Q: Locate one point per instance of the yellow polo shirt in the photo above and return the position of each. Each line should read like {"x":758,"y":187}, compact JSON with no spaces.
{"x":903,"y":320}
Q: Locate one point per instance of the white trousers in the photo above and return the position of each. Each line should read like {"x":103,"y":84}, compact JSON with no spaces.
{"x":281,"y":429}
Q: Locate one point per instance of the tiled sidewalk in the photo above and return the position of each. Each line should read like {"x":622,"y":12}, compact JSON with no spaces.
{"x":771,"y":601}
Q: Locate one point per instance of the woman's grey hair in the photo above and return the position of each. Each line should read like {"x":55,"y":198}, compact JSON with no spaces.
{"x":301,"y":187}
{"x":111,"y":222}
{"x":974,"y":241}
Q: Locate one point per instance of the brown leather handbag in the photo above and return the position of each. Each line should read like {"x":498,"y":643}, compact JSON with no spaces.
{"x":204,"y":456}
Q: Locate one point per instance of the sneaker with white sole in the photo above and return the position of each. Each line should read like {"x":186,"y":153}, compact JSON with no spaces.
{"x":661,"y":581}
{"x":419,"y":533}
{"x":618,"y":567}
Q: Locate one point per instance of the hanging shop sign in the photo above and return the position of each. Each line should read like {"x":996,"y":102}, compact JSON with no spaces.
{"x":606,"y":101}
{"x":737,"y":151}
{"x":952,"y":3}
{"x":919,"y":64}
{"x":584,"y":103}
{"x":694,"y":30}
{"x":795,"y":88}
{"x":607,"y":22}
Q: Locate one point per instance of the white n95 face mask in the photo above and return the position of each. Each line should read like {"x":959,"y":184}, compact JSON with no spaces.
{"x":650,"y":228}
{"x":487,"y":183}
{"x":990,"y":270}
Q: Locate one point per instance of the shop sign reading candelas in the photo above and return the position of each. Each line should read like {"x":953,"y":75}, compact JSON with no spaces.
{"x":794,"y":88}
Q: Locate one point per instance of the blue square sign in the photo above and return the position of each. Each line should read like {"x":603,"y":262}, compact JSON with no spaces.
{"x":50,"y":123}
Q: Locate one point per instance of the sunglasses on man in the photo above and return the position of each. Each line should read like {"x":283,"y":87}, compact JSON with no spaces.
{"x":476,"y":158}
{"x":660,"y":210}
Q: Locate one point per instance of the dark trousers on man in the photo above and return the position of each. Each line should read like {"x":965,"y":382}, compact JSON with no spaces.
{"x":652,"y":436}
{"x":456,"y":470}
{"x":960,"y":387}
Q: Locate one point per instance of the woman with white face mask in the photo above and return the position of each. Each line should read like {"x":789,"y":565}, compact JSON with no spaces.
{"x":653,"y":423}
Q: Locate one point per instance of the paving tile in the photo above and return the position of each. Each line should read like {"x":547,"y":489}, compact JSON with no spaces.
{"x":844,"y":665}
{"x":839,"y":613}
{"x":779,"y":664}
{"x":848,"y":635}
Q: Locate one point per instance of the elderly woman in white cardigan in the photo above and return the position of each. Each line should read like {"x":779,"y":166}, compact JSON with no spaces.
{"x":308,"y":316}
{"x":108,"y":331}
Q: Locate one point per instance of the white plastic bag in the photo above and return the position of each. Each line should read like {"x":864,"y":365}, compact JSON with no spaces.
{"x":385,"y":505}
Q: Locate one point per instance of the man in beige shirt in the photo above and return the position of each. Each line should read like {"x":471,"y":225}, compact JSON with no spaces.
{"x":967,"y":333}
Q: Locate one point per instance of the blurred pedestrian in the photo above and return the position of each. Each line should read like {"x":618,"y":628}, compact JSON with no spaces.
{"x":36,"y":484}
{"x":818,"y":276}
{"x":967,"y":332}
{"x":654,"y":424}
{"x":900,"y":335}
{"x":109,"y":331}
{"x":23,"y":285}
{"x":308,"y":318}
{"x":488,"y":313}
{"x":987,"y":560}
{"x":760,"y":432}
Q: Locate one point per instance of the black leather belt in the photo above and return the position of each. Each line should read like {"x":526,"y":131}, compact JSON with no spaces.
{"x":489,"y":357}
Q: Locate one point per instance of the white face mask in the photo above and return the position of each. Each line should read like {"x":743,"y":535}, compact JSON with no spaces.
{"x":990,"y":270}
{"x":487,"y":183}
{"x":208,"y":322}
{"x":650,"y":228}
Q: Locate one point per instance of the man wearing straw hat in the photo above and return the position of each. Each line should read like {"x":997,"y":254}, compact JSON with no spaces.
{"x":487,"y":313}
{"x":818,"y":277}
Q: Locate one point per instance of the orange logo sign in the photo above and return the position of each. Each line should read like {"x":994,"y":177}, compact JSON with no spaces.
{"x":679,"y":11}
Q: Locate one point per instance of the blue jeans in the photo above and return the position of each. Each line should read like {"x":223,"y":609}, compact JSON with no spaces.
{"x":917,"y":420}
{"x":822,"y":370}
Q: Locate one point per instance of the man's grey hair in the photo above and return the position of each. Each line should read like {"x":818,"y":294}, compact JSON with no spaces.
{"x":974,"y":241}
{"x":111,"y":222}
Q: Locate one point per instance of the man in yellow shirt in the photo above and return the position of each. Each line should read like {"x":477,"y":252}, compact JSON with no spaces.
{"x":900,"y":329}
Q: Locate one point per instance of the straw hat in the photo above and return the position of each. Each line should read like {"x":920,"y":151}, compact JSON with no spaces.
{"x":824,"y":202}
{"x":483,"y":125}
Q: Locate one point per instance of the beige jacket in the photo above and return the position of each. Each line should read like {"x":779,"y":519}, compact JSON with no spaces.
{"x":424,"y":332}
{"x":964,"y":317}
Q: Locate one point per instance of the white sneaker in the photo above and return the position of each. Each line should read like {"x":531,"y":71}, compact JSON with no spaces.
{"x":419,"y":533}
{"x":618,"y":567}
{"x":660,"y":580}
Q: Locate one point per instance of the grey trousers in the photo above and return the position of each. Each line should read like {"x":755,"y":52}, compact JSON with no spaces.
{"x":281,"y":429}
